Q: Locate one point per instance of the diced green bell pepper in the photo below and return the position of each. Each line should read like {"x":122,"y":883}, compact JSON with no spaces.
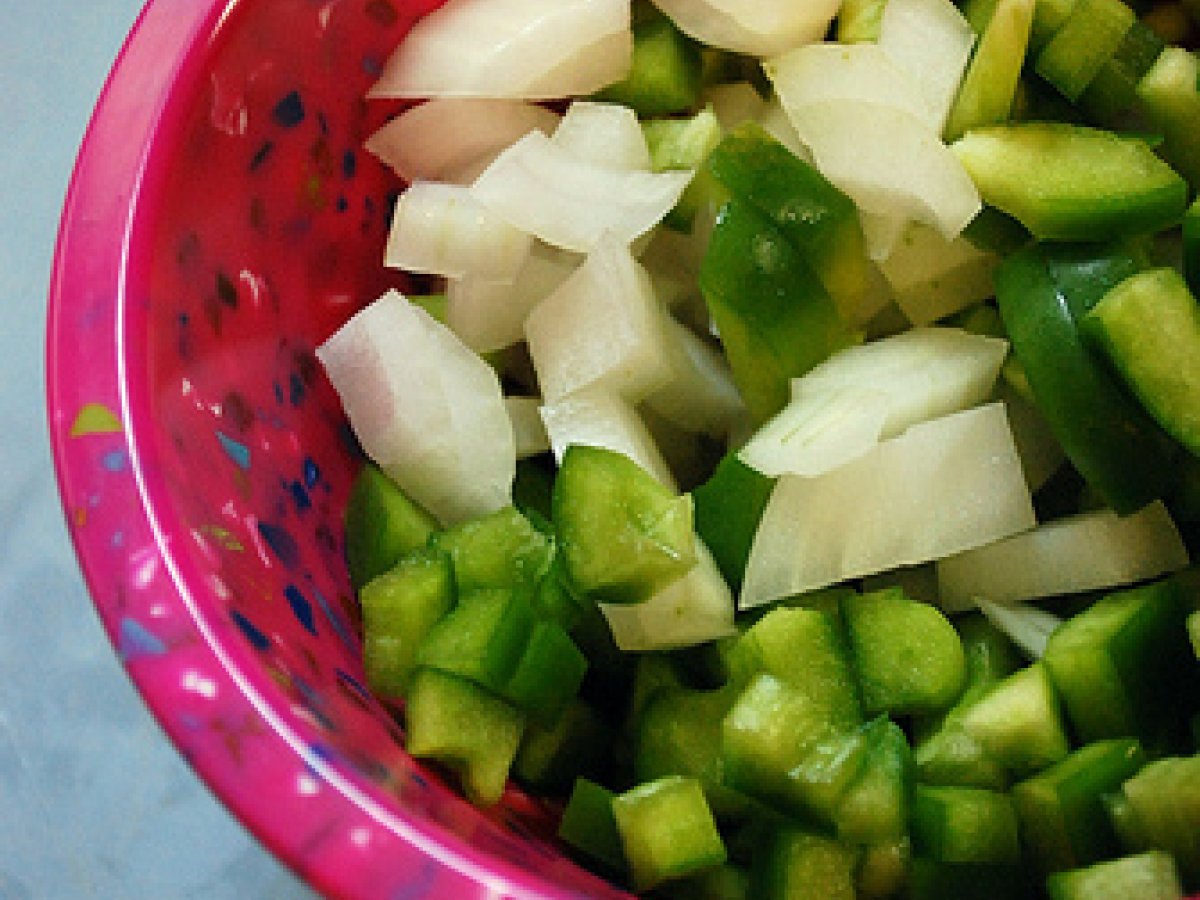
{"x":667,"y":831}
{"x":1111,"y":663}
{"x":1071,"y":182}
{"x":1147,"y":876}
{"x":382,"y":525}
{"x":1042,"y":291}
{"x":1061,"y":809}
{"x":399,"y":609}
{"x":589,"y":827}
{"x":460,"y":724}
{"x":623,"y":535}
{"x":1148,"y":326}
{"x":819,"y":220}
{"x":728,"y":508}
{"x":774,"y":316}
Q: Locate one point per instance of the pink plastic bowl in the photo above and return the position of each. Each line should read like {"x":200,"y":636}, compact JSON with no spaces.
{"x":222,"y":221}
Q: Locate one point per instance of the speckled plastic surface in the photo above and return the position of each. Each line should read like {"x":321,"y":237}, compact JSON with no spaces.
{"x":222,"y":221}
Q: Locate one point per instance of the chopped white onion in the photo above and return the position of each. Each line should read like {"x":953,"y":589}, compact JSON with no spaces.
{"x":490,"y":315}
{"x":548,"y":191}
{"x":942,"y":487}
{"x":1085,"y":552}
{"x":932,"y":277}
{"x":529,"y":432}
{"x":604,"y":134}
{"x":889,"y":162}
{"x":842,"y":408}
{"x":734,"y":102}
{"x":931,"y":41}
{"x":817,"y":73}
{"x":453,"y":139}
{"x":601,"y":327}
{"x":699,"y":395}
{"x":1026,"y":626}
{"x":696,"y":608}
{"x":599,"y":418}
{"x":442,"y":229}
{"x":425,"y":407}
{"x":756,"y":27}
{"x":818,"y":432}
{"x":511,"y":48}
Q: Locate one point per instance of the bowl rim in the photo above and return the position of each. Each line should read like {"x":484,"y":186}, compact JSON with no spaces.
{"x":144,"y":592}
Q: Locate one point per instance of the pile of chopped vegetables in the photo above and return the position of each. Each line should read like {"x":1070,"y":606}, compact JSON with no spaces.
{"x":796,"y":470}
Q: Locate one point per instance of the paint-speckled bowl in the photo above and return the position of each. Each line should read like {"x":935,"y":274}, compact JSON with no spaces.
{"x":222,"y":221}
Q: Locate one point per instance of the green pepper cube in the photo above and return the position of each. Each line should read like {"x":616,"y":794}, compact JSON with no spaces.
{"x":1042,"y":291}
{"x":908,"y":656}
{"x":678,"y":732}
{"x":819,"y":220}
{"x":1147,"y":876}
{"x":547,"y":674}
{"x":1170,"y":98}
{"x":964,"y":825}
{"x":667,"y":830}
{"x":465,"y":727}
{"x":665,"y":72}
{"x":1089,"y":37}
{"x":775,"y":317}
{"x":382,"y":525}
{"x":792,"y":864}
{"x":728,"y":508}
{"x":1110,"y":664}
{"x":500,"y":549}
{"x":1159,"y":807}
{"x":1061,"y":809}
{"x":1070,"y":182}
{"x":552,"y":756}
{"x":685,"y":144}
{"x":481,"y":639}
{"x":1017,"y":721}
{"x":874,"y":809}
{"x":589,"y":826}
{"x":399,"y":609}
{"x":1149,"y":328}
{"x":623,"y":535}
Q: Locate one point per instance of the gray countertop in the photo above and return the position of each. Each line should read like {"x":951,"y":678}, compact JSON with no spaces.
{"x":95,"y":801}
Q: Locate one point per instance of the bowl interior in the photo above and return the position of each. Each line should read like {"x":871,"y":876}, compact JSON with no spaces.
{"x":203,"y":457}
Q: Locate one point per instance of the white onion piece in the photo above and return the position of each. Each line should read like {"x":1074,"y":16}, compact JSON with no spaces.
{"x":1026,"y":626}
{"x":490,"y":315}
{"x":874,"y":391}
{"x":425,"y":407}
{"x":818,"y":432}
{"x":734,"y":102}
{"x":940,"y":488}
{"x":1041,"y":453}
{"x":599,"y":418}
{"x":442,"y":229}
{"x":695,"y":608}
{"x":889,"y":162}
{"x":1085,"y":552}
{"x":529,"y":432}
{"x":774,"y":120}
{"x":932,"y":277}
{"x":604,"y":134}
{"x":602,"y":327}
{"x":756,"y":27}
{"x":816,"y":73}
{"x":699,"y":395}
{"x":453,"y":139}
{"x":545,"y":190}
{"x":931,"y":41}
{"x":882,"y":232}
{"x":511,"y":48}
{"x":600,"y":63}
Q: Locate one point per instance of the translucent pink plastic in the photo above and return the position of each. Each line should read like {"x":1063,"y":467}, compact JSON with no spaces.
{"x":221,"y":222}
